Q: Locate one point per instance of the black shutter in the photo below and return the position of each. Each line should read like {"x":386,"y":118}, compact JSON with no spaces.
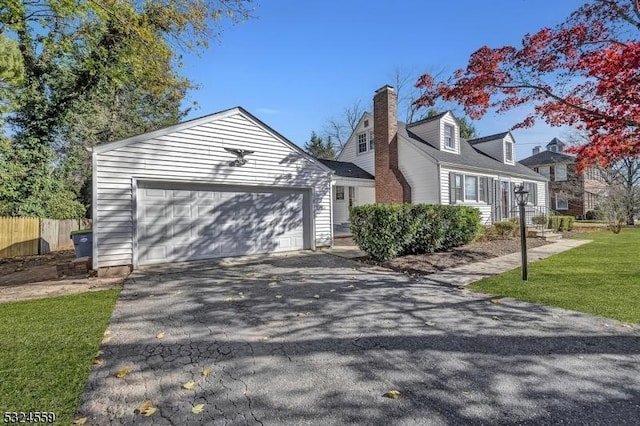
{"x":452,"y":188}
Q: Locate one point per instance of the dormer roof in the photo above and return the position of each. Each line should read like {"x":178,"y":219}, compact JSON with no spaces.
{"x":488,"y":138}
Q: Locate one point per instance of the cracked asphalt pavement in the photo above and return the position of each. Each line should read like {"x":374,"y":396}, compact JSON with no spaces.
{"x":311,"y":338}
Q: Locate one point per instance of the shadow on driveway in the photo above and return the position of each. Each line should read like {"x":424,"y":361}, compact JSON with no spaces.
{"x":316,"y":339}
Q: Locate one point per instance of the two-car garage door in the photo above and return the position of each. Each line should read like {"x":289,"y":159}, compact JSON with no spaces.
{"x":188,"y":222}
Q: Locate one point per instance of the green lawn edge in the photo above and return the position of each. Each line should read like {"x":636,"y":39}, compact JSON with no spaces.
{"x":600,"y":278}
{"x":46,"y":350}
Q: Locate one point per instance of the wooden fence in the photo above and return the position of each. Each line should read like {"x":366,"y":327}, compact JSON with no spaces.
{"x":27,"y":236}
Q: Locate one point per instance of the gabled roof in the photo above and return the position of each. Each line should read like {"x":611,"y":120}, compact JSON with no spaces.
{"x":556,"y":141}
{"x":488,"y":138}
{"x":346,"y":169}
{"x":547,"y":157}
{"x":202,"y":120}
{"x":469,"y":156}
{"x":428,"y":119}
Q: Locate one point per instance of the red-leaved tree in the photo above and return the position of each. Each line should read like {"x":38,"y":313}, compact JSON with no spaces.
{"x":583,"y":73}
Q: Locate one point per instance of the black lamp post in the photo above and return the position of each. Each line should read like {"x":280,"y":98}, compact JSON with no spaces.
{"x":522,"y":197}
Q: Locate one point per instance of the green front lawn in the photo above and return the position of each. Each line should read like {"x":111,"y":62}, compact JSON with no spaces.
{"x":46,"y":350}
{"x":600,"y":278}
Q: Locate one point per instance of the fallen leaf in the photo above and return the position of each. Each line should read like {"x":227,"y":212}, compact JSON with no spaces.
{"x":123,"y":372}
{"x":495,"y":301}
{"x":189,"y":385}
{"x":625,"y":325}
{"x":107,"y":332}
{"x":228,"y":299}
{"x":265,"y":338}
{"x":273,"y":284}
{"x":98,"y":362}
{"x":79,"y":421}
{"x":430,"y":323}
{"x":278,"y":296}
{"x":332,"y":290}
{"x":316,"y":296}
{"x":99,"y":353}
{"x":206,"y":372}
{"x":160,"y":335}
{"x":147,"y":408}
{"x":495,"y":317}
{"x":106,"y":340}
{"x":197,"y":409}
{"x":393,"y":394}
{"x":350,"y":286}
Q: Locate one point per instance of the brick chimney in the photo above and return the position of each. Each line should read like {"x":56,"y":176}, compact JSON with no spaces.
{"x":536,"y":150}
{"x":391,"y":185}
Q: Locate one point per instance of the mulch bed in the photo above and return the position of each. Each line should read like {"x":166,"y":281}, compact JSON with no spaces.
{"x":425,"y":264}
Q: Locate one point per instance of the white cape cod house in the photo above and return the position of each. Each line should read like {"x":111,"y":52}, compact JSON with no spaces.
{"x":428,"y":162}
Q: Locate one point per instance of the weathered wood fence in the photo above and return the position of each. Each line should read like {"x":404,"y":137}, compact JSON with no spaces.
{"x":27,"y":236}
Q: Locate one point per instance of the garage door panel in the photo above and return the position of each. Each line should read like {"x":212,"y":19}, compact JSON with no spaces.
{"x":187,"y":224}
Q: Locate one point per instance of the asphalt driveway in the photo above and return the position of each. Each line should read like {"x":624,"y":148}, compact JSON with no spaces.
{"x":316,"y":339}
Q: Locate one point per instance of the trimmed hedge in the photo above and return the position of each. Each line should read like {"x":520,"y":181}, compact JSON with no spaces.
{"x":561,"y":223}
{"x":385,"y":231}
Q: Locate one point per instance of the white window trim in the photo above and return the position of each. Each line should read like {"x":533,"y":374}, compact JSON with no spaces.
{"x":366,"y":143}
{"x":564,"y":199}
{"x":464,"y":190}
{"x":336,"y":195}
{"x":533,"y":198}
{"x":371,"y":140}
{"x":555,"y":178}
{"x":548,"y":174}
{"x":453,"y":137}
{"x":506,"y":160}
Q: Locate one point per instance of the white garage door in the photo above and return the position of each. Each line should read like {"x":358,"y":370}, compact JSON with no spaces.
{"x":177,"y":223}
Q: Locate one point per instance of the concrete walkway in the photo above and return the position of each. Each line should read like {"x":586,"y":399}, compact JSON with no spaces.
{"x":472,"y":272}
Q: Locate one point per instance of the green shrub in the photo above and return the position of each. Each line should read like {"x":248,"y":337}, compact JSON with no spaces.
{"x":375,"y":230}
{"x":539,"y":220}
{"x":561,"y":223}
{"x":385,"y":231}
{"x":505,"y":228}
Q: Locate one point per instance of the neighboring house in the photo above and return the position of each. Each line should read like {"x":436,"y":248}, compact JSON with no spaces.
{"x":428,"y":162}
{"x":221,"y":185}
{"x":571,"y":193}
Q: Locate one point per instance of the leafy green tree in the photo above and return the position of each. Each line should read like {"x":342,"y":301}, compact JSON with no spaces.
{"x":320,"y":148}
{"x":93,"y":71}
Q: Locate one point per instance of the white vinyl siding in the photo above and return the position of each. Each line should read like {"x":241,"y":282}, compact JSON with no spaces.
{"x":350,"y":154}
{"x":420,"y":172}
{"x":197,"y":155}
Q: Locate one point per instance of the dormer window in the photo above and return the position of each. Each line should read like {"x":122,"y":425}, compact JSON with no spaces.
{"x":508,"y":152}
{"x":553,"y":148}
{"x":449,"y":137}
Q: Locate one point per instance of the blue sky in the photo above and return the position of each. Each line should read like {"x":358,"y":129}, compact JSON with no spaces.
{"x":298,"y":63}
